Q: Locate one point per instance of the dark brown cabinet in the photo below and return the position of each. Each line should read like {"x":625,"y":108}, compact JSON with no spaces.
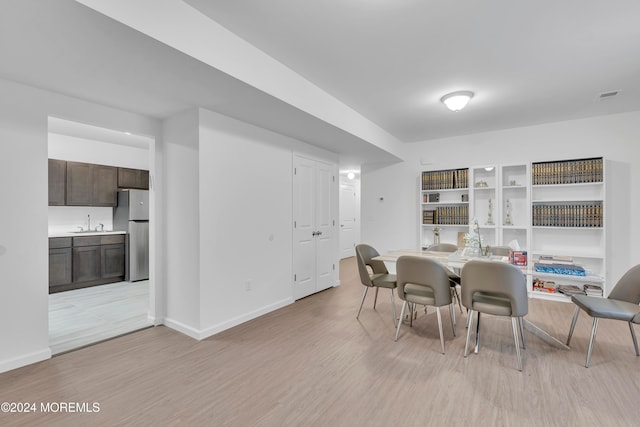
{"x":133,"y":178}
{"x":84,"y":261}
{"x":91,"y":185}
{"x":60,"y":255}
{"x":57,"y":182}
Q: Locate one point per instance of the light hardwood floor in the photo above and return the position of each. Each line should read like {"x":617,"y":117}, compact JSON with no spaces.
{"x":313,"y":364}
{"x":89,"y":315}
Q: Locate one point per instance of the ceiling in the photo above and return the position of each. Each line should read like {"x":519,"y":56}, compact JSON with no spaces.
{"x":528,"y":62}
{"x":389,"y":60}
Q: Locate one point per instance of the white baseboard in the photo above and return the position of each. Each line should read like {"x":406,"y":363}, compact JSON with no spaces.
{"x":227,"y":324}
{"x":182,"y":328}
{"x":24,"y":360}
{"x":215,"y":329}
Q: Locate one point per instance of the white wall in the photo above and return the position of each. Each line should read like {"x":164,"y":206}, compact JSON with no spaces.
{"x":393,"y":223}
{"x":228,"y":209}
{"x":23,"y":218}
{"x":182,"y":222}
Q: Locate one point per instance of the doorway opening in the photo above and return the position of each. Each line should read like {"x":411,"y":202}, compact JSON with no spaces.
{"x":92,"y":296}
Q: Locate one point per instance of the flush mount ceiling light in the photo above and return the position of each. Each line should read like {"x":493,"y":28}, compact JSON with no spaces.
{"x":456,"y":101}
{"x":351,"y":175}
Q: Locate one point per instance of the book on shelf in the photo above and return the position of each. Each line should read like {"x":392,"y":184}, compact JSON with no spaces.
{"x":567,"y":171}
{"x":565,"y":269}
{"x":570,"y":290}
{"x":555,"y":259}
{"x":592,"y":290}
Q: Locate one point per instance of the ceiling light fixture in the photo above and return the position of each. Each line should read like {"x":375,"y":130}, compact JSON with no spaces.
{"x":456,"y":101}
{"x":351,"y":175}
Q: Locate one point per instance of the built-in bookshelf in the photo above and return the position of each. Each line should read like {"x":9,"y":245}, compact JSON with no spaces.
{"x":553,"y":210}
{"x":568,"y":227}
{"x":444,"y":205}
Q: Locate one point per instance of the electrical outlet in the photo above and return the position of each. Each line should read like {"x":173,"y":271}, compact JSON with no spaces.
{"x":247,"y":285}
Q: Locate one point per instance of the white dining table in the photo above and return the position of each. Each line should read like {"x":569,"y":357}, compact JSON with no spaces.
{"x":456,"y":261}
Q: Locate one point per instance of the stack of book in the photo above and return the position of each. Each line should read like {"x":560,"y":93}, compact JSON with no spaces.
{"x":570,"y":290}
{"x":593,"y":290}
{"x":558,"y":265}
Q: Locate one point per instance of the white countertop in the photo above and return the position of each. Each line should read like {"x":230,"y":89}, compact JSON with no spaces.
{"x":83,"y":233}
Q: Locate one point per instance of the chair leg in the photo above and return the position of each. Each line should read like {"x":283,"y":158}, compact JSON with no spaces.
{"x":469,"y":324}
{"x":452,"y":313}
{"x":362,"y":302}
{"x":457,"y":295}
{"x":440,"y":329}
{"x":521,"y":323}
{"x":393,"y":308}
{"x":375,"y":299}
{"x":404,"y":306}
{"x":573,"y":323}
{"x":514,"y":324}
{"x":591,"y":340}
{"x":475,"y":350}
{"x":633,"y":335}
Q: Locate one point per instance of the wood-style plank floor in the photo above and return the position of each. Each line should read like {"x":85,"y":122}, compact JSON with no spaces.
{"x":313,"y":364}
{"x":89,"y":315}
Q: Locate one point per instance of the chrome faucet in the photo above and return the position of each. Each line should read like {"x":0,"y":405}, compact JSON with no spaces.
{"x":88,"y":222}
{"x":100,"y":226}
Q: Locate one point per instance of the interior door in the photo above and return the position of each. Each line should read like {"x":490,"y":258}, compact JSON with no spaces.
{"x":303,"y":227}
{"x":347,"y":221}
{"x":325,"y":224}
{"x":313,"y":228}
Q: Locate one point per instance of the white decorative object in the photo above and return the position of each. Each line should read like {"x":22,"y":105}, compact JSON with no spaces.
{"x":507,"y":220}
{"x":490,"y":214}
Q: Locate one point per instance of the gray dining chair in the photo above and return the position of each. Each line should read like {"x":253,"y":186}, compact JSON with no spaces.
{"x":495,"y":288}
{"x":424,"y":281}
{"x":376,"y":276}
{"x":454,"y":279}
{"x":621,"y":304}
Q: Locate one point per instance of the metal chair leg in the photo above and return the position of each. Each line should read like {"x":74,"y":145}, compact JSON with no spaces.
{"x":404,"y":306}
{"x":514,"y":324}
{"x":375,"y":299}
{"x":457,"y":295}
{"x":521,"y":323}
{"x":635,"y":341}
{"x":469,"y":324}
{"x":393,"y":308}
{"x":591,"y":340}
{"x":477,"y":335}
{"x":573,"y":324}
{"x":452,"y":313}
{"x":362,"y":302}
{"x":440,"y":329}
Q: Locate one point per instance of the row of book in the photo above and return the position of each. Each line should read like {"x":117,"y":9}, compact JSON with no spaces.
{"x":445,"y":179}
{"x":587,"y":215}
{"x":567,"y":172}
{"x":447,"y":215}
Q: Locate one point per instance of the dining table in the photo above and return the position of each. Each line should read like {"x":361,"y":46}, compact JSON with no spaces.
{"x":455,"y":262}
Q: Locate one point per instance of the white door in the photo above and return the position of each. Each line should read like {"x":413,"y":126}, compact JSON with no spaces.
{"x":313,"y":226}
{"x":347,"y":221}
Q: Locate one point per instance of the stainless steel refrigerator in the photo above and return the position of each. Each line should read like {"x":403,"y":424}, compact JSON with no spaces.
{"x":132,"y":215}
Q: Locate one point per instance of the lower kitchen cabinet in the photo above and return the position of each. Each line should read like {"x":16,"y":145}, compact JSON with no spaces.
{"x":84,"y":261}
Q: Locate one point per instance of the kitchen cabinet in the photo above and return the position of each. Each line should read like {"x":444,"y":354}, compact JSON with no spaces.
{"x":57,"y":182}
{"x":91,"y":185}
{"x":84,"y":261}
{"x":133,"y":178}
{"x":60,"y":261}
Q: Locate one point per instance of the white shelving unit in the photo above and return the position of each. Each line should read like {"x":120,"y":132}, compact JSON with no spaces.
{"x":569,"y":220}
{"x":514,"y":192}
{"x":555,"y":208}
{"x":444,"y":205}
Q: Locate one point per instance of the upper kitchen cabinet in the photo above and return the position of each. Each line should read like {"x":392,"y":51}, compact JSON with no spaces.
{"x":57,"y":182}
{"x":133,"y":178}
{"x":91,"y":185}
